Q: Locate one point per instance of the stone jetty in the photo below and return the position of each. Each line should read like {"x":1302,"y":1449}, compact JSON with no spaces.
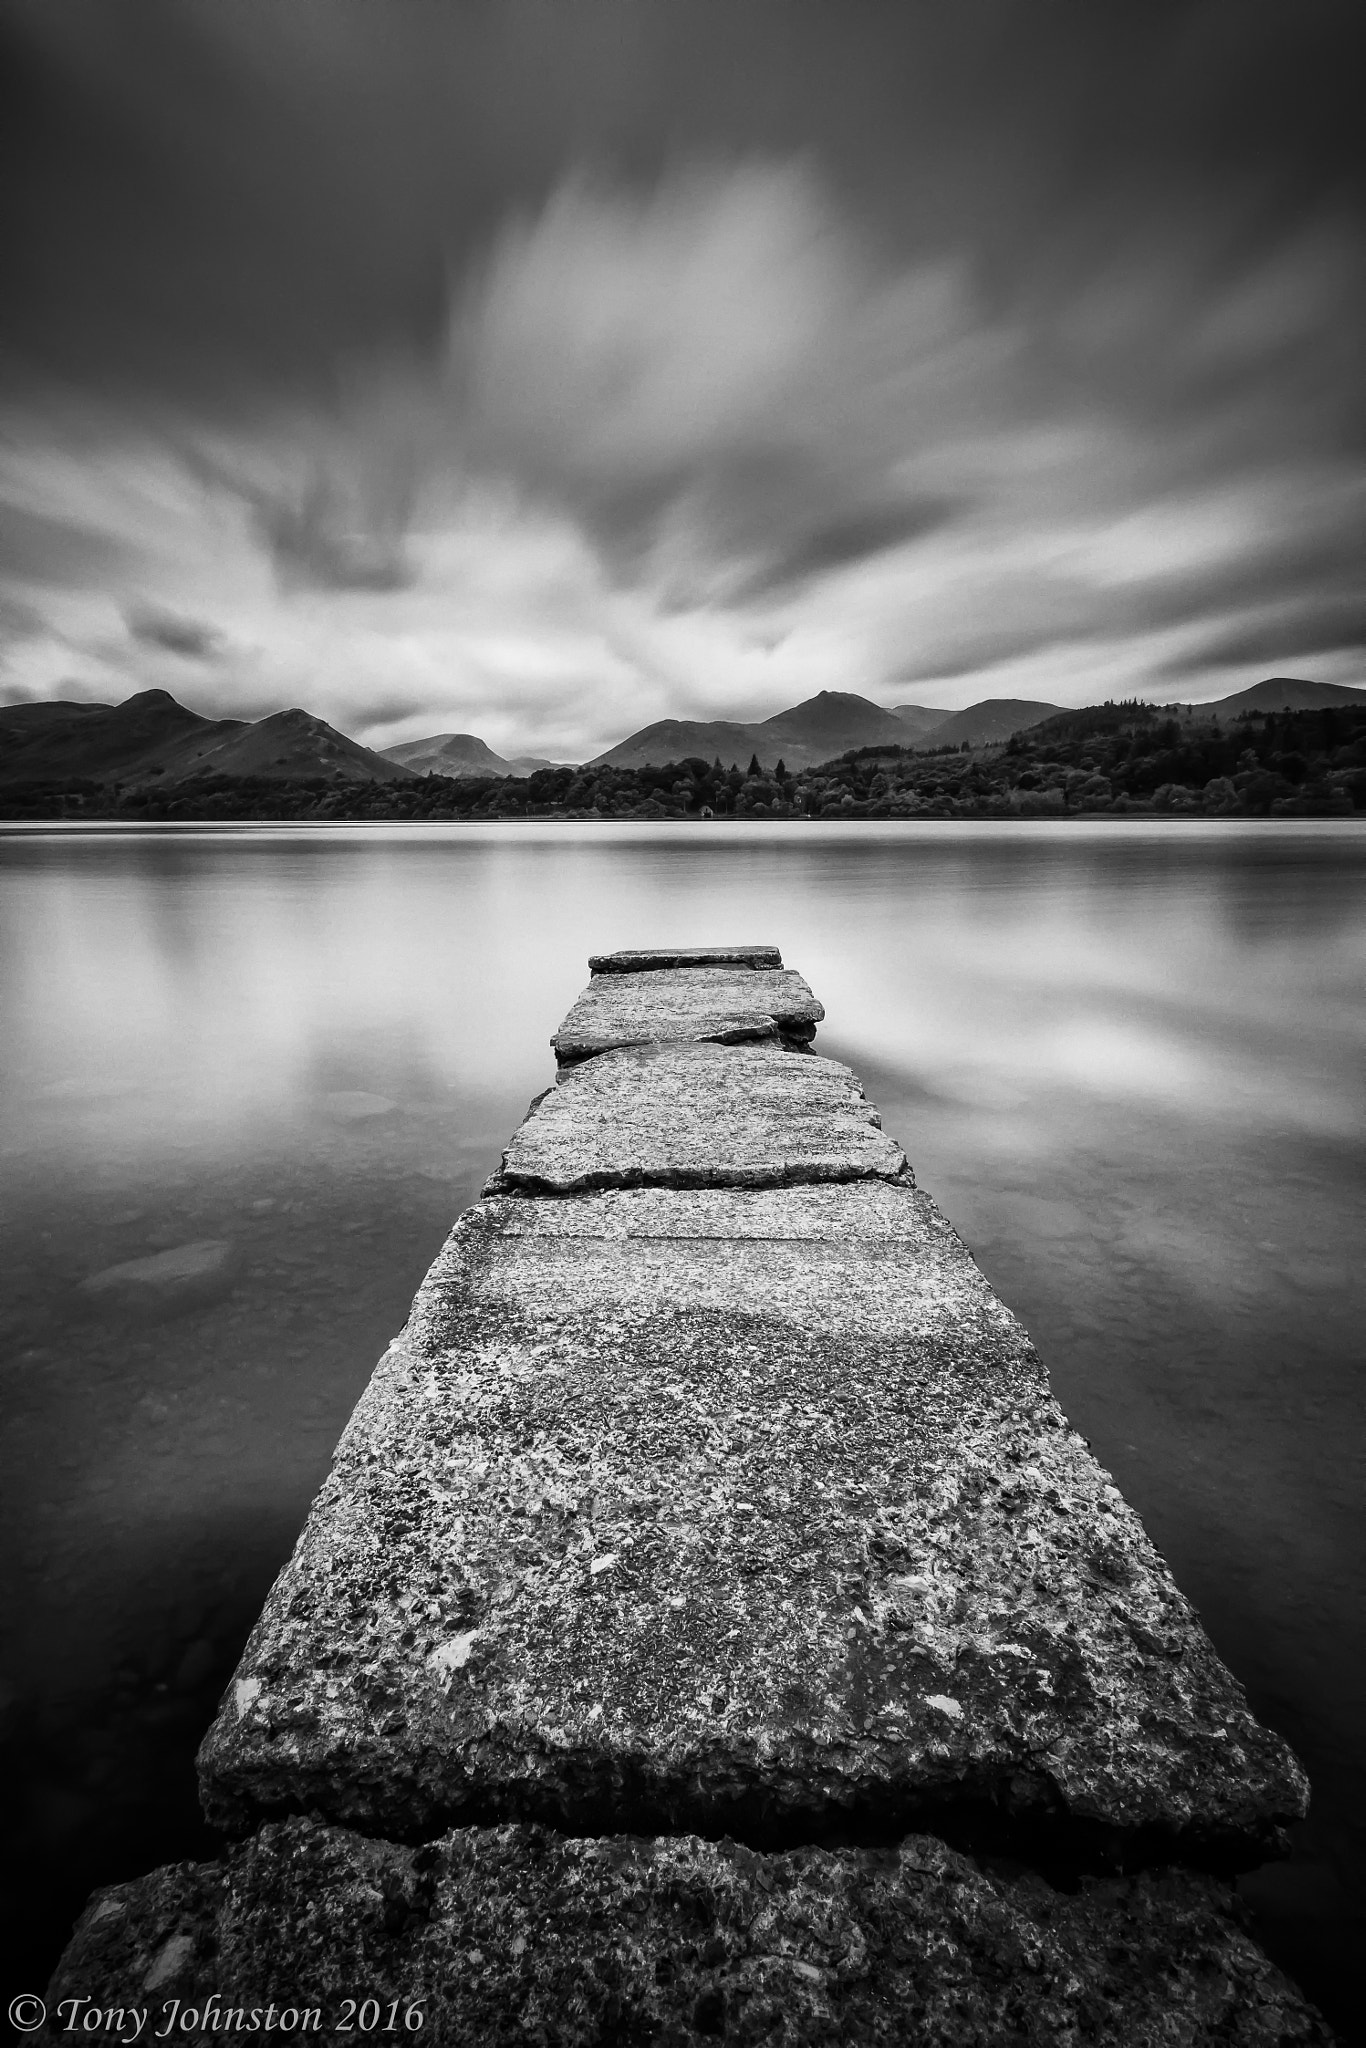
{"x":711,"y":1627}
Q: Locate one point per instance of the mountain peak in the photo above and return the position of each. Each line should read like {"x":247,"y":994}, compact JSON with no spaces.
{"x":449,"y":753}
{"x":154,"y":711}
{"x":151,"y":735}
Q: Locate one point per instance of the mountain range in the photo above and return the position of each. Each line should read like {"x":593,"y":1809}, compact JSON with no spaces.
{"x":152,"y":739}
{"x":825,"y":725}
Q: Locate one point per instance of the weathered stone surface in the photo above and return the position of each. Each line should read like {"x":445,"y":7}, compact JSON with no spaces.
{"x":728,"y":1004}
{"x":649,"y":961}
{"x":168,"y":1283}
{"x":699,"y":1115}
{"x":734,"y":1511}
{"x":502,"y":1937}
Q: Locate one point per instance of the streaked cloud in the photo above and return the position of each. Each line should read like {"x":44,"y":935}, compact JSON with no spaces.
{"x":704,"y":426}
{"x":187,"y":638}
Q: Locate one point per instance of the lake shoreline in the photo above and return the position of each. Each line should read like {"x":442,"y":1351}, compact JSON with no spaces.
{"x":1109,"y":820}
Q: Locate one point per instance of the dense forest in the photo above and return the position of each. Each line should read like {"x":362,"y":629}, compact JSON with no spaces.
{"x":1128,"y":758}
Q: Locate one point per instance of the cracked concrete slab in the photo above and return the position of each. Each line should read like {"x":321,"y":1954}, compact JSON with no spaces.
{"x":650,"y":960}
{"x":735,"y":1511}
{"x":495,"y":1938}
{"x":727,"y":1004}
{"x":699,"y":1115}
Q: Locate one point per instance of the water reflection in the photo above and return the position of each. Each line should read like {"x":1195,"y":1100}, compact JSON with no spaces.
{"x":1128,"y":1060}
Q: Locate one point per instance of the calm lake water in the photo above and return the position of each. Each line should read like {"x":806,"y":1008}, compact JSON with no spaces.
{"x":1129,"y":1059}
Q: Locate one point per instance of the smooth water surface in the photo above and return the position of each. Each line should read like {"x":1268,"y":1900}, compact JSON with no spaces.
{"x":1127,"y":1058}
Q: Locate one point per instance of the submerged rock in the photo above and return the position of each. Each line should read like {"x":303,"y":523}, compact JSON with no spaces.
{"x":169,"y":1283}
{"x":699,"y":1116}
{"x":355,"y":1106}
{"x":741,"y":1511}
{"x":494,"y":1938}
{"x":727,"y":1004}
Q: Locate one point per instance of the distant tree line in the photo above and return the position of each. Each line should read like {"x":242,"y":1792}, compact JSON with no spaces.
{"x":1110,"y":758}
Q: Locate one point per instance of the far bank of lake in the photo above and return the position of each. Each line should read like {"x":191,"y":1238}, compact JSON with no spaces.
{"x":1108,"y":760}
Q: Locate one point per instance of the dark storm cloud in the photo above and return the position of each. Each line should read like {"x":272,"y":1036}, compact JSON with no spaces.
{"x":1289,"y":591}
{"x":1284,"y":633}
{"x":328,"y":521}
{"x":1021,"y":326}
{"x":391,"y":707}
{"x":835,"y":543}
{"x":189,"y":638}
{"x":971,"y":650}
{"x":314,"y":541}
{"x":201,"y":182}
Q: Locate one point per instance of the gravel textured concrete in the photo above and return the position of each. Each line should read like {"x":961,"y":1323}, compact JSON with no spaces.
{"x":741,"y":1511}
{"x":710,"y":1493}
{"x":516,"y":1938}
{"x":697,"y":1116}
{"x":651,"y":960}
{"x":727,"y":1004}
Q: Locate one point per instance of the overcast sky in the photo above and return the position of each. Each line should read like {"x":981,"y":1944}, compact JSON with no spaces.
{"x":543,"y":370}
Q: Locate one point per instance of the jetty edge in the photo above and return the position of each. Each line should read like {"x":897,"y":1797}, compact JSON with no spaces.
{"x":711,"y":1627}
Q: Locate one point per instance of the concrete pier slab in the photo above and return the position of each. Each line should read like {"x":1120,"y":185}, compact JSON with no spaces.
{"x":651,"y":959}
{"x":735,"y":1511}
{"x":710,"y":1492}
{"x":699,"y":1115}
{"x":495,"y":1938}
{"x":727,"y":1004}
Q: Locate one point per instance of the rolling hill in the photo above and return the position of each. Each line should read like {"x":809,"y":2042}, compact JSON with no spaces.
{"x":675,"y":739}
{"x":99,"y":742}
{"x":1283,"y":693}
{"x":152,"y":738}
{"x":919,"y":719}
{"x":982,"y":725}
{"x":817,"y":730}
{"x":448,"y":753}
{"x":828,"y":723}
{"x":289,"y":746}
{"x":459,"y":753}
